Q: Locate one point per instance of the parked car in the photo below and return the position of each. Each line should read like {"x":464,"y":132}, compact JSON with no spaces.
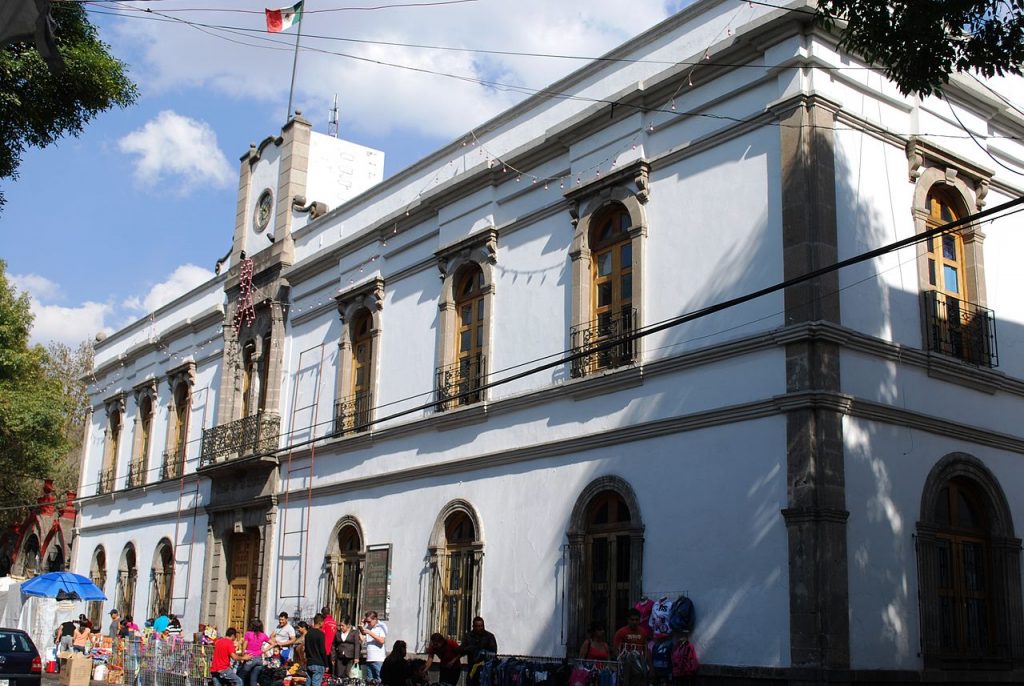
{"x":20,"y":664}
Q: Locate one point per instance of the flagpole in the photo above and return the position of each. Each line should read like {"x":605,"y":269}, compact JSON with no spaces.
{"x":295,"y":62}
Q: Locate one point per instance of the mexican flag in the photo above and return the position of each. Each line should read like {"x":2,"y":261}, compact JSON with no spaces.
{"x":284,"y":18}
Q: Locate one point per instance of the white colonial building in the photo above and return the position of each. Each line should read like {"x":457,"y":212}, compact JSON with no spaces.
{"x":449,"y":392}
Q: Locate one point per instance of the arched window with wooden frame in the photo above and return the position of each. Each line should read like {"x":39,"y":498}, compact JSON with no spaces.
{"x":127,"y":578}
{"x":465,"y":319}
{"x":161,"y":579}
{"x":968,"y":569}
{"x":607,"y":270}
{"x":98,"y":575}
{"x":145,"y":400}
{"x":951,"y":267}
{"x":173,"y":465}
{"x":605,"y":557}
{"x":345,"y":567}
{"x":456,"y":556}
{"x":111,"y":444}
{"x":359,"y":309}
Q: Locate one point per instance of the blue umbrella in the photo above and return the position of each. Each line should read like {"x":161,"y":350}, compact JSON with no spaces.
{"x":51,"y":584}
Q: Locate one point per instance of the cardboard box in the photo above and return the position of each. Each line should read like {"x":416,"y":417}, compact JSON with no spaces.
{"x":76,"y":671}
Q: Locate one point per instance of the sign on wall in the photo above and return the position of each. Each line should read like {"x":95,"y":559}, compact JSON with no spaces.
{"x":377,"y":579}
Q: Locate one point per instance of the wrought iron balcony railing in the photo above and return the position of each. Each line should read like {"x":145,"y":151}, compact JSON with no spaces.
{"x":136,"y":475}
{"x":353,"y":413}
{"x":105,"y":481}
{"x":604,"y":343}
{"x":243,"y":437}
{"x":459,"y":383}
{"x":173,"y":464}
{"x":960,"y":329}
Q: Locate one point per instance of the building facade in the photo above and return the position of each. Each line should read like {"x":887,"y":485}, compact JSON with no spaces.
{"x":498,"y":382}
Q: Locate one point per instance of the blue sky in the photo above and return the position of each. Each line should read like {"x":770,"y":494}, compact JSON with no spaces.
{"x":103,"y":228}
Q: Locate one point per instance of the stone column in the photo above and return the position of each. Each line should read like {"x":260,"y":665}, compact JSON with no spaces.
{"x":816,"y":513}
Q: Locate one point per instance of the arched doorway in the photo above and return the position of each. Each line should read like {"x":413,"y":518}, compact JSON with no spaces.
{"x":98,"y":575}
{"x":30,"y":556}
{"x":161,"y":579}
{"x":456,"y":554}
{"x":346,"y":566}
{"x":127,"y":576}
{"x":605,"y":557}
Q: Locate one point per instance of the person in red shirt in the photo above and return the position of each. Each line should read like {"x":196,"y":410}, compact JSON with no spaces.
{"x":449,"y":657}
{"x":223,"y":654}
{"x":633,"y":636}
{"x":330,"y":628}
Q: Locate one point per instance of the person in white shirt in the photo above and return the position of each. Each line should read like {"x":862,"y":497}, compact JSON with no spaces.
{"x":373,"y":632}
{"x":283,"y":636}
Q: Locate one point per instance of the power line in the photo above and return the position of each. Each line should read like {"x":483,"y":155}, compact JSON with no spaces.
{"x":568,"y":356}
{"x":506,"y":87}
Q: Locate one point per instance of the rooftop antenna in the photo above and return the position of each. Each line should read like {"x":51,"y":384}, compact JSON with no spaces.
{"x":332,"y":122}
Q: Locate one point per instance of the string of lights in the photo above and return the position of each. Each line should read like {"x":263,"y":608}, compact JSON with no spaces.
{"x":565,"y":356}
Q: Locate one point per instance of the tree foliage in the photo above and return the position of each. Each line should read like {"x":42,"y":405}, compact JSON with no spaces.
{"x":920,"y":43}
{"x":34,"y":406}
{"x":38,"y":107}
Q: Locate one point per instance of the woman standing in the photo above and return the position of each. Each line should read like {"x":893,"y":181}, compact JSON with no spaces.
{"x":344,"y":648}
{"x":255,"y":640}
{"x":82,"y":633}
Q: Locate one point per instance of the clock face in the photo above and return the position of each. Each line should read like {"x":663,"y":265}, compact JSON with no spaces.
{"x":264,"y":206}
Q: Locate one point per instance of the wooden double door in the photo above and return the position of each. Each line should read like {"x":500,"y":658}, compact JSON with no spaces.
{"x":243,"y":578}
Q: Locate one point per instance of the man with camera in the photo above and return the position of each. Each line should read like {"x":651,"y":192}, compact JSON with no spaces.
{"x":373,"y":632}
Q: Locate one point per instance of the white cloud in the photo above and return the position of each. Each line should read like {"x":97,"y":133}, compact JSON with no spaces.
{"x":374,"y":97}
{"x":181,"y":281}
{"x":36,"y":286}
{"x":174,"y":149}
{"x":72,"y":324}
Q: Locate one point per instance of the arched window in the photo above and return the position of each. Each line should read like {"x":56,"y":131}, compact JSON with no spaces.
{"x":461,"y":380}
{"x":177,"y":437}
{"x":346,"y":563}
{"x":607,"y":268}
{"x":161,"y":579}
{"x":968,"y":568}
{"x":250,"y":378}
{"x":112,"y":444}
{"x":466,"y":310}
{"x":144,"y":428}
{"x":360,"y":311}
{"x":127,"y":576}
{"x":30,"y":556}
{"x":955,"y":324}
{"x":98,"y":575}
{"x":455,"y":557}
{"x":605,"y":557}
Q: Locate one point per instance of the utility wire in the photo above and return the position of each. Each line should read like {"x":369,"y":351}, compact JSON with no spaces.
{"x":566,"y":357}
{"x":506,"y":87}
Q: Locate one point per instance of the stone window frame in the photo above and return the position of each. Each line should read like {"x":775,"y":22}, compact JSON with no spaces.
{"x":480,"y":249}
{"x":436,"y":551}
{"x":1005,"y":571}
{"x":576,"y":535}
{"x":333,"y":558}
{"x":967,"y":184}
{"x":124,"y":578}
{"x":115,"y":408}
{"x":628,"y":187}
{"x":141,"y":452}
{"x":369,"y":296}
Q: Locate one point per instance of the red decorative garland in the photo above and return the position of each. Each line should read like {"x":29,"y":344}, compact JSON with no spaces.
{"x":245,"y":309}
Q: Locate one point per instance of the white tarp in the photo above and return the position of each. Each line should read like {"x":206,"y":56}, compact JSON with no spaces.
{"x":39,"y":617}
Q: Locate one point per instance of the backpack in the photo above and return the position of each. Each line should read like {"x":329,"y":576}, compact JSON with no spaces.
{"x":682,"y":615}
{"x":659,"y":618}
{"x":661,"y":658}
{"x":684,"y":659}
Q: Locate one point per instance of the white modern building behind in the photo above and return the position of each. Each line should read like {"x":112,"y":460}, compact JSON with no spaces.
{"x":450,"y":397}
